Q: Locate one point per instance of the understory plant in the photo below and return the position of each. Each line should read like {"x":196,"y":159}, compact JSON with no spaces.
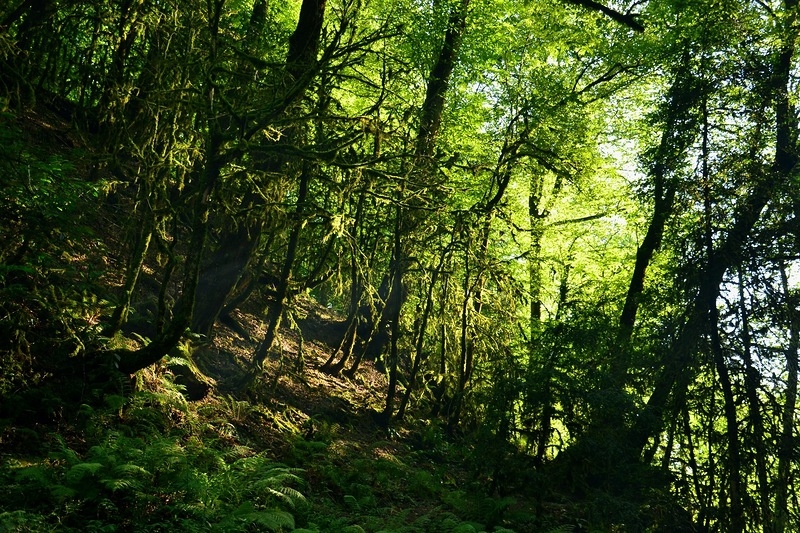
{"x":130,"y":478}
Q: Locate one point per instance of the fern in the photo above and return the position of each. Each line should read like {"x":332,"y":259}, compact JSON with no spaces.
{"x":272,"y":520}
{"x":119,"y":484}
{"x":351,"y":502}
{"x":130,"y":471}
{"x":287,"y":495}
{"x":246,"y":514}
{"x":65,"y":453}
{"x":115,"y":403}
{"x":79,"y":471}
{"x":24,"y":521}
{"x":37,"y":473}
{"x":562,"y":529}
{"x":236,"y":410}
{"x":125,"y":477}
{"x":62,"y":493}
{"x":166,"y":481}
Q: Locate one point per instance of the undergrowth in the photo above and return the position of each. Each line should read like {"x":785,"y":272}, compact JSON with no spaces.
{"x":152,"y":461}
{"x":148,"y":463}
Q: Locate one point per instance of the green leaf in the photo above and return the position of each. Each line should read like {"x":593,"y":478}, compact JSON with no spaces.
{"x":351,"y":502}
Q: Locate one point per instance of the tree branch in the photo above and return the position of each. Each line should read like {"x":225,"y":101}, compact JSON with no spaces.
{"x":623,"y":18}
{"x":577,"y":220}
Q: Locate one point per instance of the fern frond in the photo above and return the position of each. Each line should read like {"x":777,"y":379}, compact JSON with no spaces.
{"x":61,"y":493}
{"x":115,"y":484}
{"x":562,"y":529}
{"x":81,"y":470}
{"x":65,"y":453}
{"x":244,"y":516}
{"x":287,"y":495}
{"x":274,"y":520}
{"x":131,"y":471}
{"x":98,"y":454}
{"x":36,"y":473}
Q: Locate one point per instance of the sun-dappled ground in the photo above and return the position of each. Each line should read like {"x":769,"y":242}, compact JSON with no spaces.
{"x":292,"y":372}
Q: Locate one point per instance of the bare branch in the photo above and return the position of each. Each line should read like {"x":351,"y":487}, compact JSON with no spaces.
{"x":627,"y":19}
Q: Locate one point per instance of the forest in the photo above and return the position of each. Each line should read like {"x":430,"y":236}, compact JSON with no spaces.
{"x":399,"y":266}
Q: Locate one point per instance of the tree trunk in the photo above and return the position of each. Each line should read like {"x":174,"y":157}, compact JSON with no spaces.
{"x":218,"y":280}
{"x":131,"y":361}
{"x":438,"y":83}
{"x":207,"y":178}
{"x":221,"y":274}
{"x":395,"y":304}
{"x":729,"y":253}
{"x":785,"y":163}
{"x":141,"y":245}
{"x":756,"y":420}
{"x":282,"y":290}
{"x":736,"y":521}
{"x":440,"y":387}
{"x":354,"y":311}
{"x":675,"y":141}
{"x":679,"y":358}
{"x":375,"y":337}
{"x":786,"y":440}
{"x":420,"y":339}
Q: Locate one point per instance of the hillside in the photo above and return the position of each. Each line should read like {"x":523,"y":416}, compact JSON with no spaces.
{"x":296,"y":450}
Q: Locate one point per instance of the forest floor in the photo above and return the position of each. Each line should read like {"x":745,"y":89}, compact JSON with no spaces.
{"x":360,"y":476}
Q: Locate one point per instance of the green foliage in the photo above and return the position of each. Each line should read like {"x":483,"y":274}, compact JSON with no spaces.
{"x":23,"y":522}
{"x":478,"y":507}
{"x":148,"y":482}
{"x":48,"y":304}
{"x":236,"y":410}
{"x":385,"y":487}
